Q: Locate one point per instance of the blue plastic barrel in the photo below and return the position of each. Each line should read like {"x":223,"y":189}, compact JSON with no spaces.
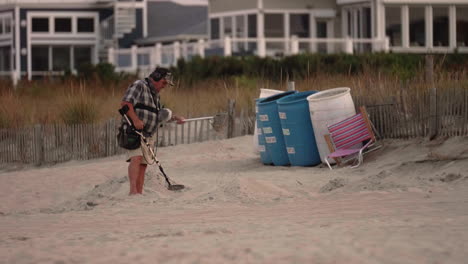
{"x":299,"y":138}
{"x":271,"y":128}
{"x":264,"y":155}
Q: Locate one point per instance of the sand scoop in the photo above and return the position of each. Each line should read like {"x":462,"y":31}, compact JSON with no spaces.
{"x":172,"y":187}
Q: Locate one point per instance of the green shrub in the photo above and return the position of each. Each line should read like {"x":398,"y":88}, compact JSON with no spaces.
{"x":404,"y":66}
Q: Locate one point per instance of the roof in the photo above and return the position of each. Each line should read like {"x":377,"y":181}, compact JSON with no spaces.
{"x":169,"y":21}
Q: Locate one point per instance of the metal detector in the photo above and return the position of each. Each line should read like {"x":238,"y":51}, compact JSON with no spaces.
{"x":172,"y":187}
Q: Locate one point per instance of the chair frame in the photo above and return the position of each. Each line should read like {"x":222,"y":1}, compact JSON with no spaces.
{"x":357,"y":153}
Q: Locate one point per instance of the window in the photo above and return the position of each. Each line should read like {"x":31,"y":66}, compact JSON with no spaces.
{"x":321,"y":33}
{"x":214,"y":25}
{"x":440,"y":26}
{"x":366,"y":22}
{"x":1,"y":25}
{"x":274,"y":26}
{"x":82,"y":56}
{"x":227,"y":26}
{"x":40,"y":58}
{"x":462,"y":25}
{"x":393,"y":25}
{"x":5,"y":59}
{"x":299,"y":25}
{"x":40,"y":24}
{"x":252,"y":26}
{"x":350,"y":23}
{"x":60,"y":58}
{"x":8,"y":25}
{"x":85,"y":25}
{"x":417,"y":27}
{"x":63,"y":25}
{"x":240,"y":27}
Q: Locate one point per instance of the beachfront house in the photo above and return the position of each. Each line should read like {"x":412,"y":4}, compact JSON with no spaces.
{"x":275,"y":27}
{"x":49,"y":37}
{"x":281,"y":28}
{"x":52,"y":37}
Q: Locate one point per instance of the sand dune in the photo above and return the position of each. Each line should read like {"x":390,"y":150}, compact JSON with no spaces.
{"x":408,"y":203}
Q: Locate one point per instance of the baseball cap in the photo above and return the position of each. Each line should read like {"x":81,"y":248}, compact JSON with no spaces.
{"x":160,"y":73}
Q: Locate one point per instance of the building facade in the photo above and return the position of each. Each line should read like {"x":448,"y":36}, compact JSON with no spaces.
{"x":269,"y":27}
{"x":51,"y":37}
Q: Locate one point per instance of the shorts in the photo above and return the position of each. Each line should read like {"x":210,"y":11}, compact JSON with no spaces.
{"x":143,"y":151}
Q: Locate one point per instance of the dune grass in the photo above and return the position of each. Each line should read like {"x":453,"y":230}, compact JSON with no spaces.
{"x":77,"y":101}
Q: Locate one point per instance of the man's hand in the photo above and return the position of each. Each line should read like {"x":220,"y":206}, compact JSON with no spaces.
{"x":179,"y":119}
{"x":138,"y":124}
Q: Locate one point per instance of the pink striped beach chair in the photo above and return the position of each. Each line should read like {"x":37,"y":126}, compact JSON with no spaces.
{"x":349,"y":139}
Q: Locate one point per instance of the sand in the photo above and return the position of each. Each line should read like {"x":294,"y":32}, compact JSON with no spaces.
{"x":408,"y":203}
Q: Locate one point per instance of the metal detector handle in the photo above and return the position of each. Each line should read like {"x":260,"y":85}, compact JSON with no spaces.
{"x":123,"y":111}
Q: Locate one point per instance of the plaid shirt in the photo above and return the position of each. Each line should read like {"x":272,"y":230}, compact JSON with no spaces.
{"x":143,"y":92}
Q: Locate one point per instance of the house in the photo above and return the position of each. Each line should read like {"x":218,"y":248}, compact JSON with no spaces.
{"x":279,"y":28}
{"x":275,"y":27}
{"x":51,"y":37}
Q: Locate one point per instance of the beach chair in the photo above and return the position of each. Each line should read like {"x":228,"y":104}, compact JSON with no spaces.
{"x":350,"y":138}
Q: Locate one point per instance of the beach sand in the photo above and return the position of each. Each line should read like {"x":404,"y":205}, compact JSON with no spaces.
{"x":408,"y":203}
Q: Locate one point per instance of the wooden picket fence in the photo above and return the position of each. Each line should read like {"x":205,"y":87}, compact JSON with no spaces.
{"x":412,"y":115}
{"x":48,"y":144}
{"x":415,"y":115}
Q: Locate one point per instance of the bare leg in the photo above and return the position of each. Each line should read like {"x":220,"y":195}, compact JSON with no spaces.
{"x":133,"y":172}
{"x":141,"y":178}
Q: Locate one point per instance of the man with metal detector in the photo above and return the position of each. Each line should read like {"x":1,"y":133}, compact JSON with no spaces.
{"x":141,"y":108}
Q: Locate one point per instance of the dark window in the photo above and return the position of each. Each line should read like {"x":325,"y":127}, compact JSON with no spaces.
{"x":366,"y":22}
{"x":252,"y":26}
{"x":82,"y":56}
{"x":5,"y":58}
{"x":321,"y":33}
{"x":7,"y":25}
{"x":299,"y":25}
{"x":63,"y":25}
{"x":214,"y":25}
{"x":60,"y":58}
{"x":417,"y":26}
{"x":440,"y":26}
{"x":393,"y":25}
{"x":40,"y":58}
{"x":86,"y":25}
{"x":274,"y":25}
{"x":321,"y":29}
{"x":40,"y":25}
{"x":462,"y":25}
{"x":1,"y":25}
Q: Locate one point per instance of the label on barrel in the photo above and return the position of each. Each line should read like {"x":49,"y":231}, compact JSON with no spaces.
{"x":267,"y":130}
{"x":270,"y":140}
{"x":261,"y":148}
{"x":286,"y":132}
{"x":282,"y":115}
{"x":263,"y":118}
{"x":291,"y":150}
{"x":256,"y":109}
{"x":259,"y":132}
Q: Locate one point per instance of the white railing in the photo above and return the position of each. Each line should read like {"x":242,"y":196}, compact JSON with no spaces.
{"x":144,"y":59}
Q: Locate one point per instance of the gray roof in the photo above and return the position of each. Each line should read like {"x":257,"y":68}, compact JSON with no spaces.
{"x":168,"y":21}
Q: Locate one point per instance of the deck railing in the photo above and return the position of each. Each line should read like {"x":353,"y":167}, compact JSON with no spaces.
{"x":142,"y":59}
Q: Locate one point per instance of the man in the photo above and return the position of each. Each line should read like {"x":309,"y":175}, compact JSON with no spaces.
{"x":142,"y":99}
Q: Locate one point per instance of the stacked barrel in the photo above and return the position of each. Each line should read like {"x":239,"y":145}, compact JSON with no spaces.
{"x":290,"y":126}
